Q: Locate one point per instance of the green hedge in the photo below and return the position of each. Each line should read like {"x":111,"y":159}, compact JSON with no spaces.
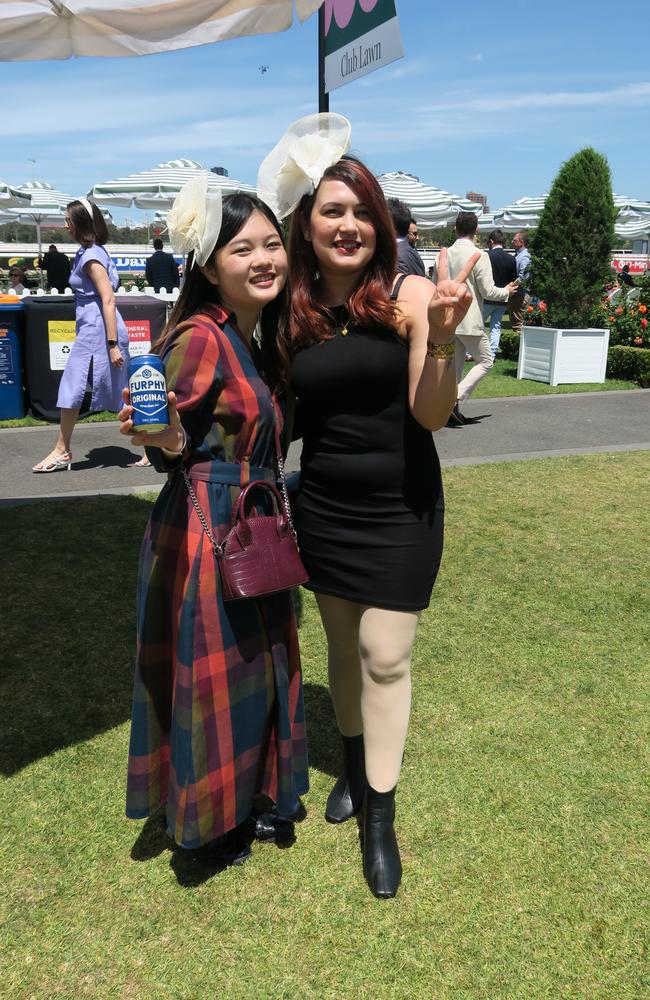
{"x":632,"y":363}
{"x":509,"y":345}
{"x":629,"y":363}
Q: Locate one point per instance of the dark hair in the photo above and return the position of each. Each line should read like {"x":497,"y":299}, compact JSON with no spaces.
{"x":369,"y":304}
{"x":497,"y":236}
{"x":197,"y":293}
{"x":157,"y":243}
{"x":400,"y":214}
{"x":466,"y":223}
{"x":52,"y":246}
{"x":87,"y":227}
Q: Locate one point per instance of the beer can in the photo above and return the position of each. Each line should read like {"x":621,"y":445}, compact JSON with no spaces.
{"x":148,"y":390}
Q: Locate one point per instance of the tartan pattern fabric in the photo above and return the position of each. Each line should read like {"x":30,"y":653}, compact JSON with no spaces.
{"x":218,"y":713}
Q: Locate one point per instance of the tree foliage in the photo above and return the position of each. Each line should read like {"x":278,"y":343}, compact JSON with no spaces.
{"x":18,"y":232}
{"x":571,"y":247}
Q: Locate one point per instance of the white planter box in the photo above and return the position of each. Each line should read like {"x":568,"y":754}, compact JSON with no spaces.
{"x":557,"y":356}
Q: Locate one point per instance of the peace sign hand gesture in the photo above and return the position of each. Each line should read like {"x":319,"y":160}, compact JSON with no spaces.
{"x":450,"y":300}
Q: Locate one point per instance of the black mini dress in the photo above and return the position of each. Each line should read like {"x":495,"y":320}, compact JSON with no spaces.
{"x":370,"y":509}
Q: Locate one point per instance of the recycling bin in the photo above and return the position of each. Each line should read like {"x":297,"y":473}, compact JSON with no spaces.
{"x":50,"y":335}
{"x":12,"y":401}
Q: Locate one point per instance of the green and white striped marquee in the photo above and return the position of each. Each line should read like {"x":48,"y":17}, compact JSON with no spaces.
{"x":430,"y":206}
{"x":157,"y":188}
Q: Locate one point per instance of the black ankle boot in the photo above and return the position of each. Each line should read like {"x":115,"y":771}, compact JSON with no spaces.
{"x":381,"y":861}
{"x":346,"y":798}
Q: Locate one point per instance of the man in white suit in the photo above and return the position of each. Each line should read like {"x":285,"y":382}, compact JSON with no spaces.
{"x":470,"y":333}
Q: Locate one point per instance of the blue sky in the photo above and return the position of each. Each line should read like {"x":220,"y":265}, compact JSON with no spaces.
{"x":489,"y":97}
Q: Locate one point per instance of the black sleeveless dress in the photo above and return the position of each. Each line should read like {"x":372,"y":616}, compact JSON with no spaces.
{"x":370,"y":508}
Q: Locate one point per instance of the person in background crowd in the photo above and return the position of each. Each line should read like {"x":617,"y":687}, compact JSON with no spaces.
{"x":57,"y":268}
{"x":504,"y":270}
{"x":17,"y":280}
{"x":413,"y":235}
{"x":373,"y":374}
{"x":520,"y":298}
{"x":101,"y":348}
{"x":625,"y":277}
{"x":408,"y":259}
{"x":161,"y":270}
{"x":470,"y":333}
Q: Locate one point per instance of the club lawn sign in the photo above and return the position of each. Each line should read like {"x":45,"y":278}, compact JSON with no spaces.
{"x":549,"y":354}
{"x":360,"y":36}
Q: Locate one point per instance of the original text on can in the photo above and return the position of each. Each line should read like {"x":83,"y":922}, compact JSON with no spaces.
{"x":148,"y":390}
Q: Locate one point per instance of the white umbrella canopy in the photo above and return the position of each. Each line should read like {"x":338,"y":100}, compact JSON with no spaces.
{"x":12,"y":197}
{"x":486,"y":222}
{"x":46,"y":207}
{"x":157,"y":188}
{"x":633,"y":230}
{"x":430,"y":206}
{"x":525,"y":212}
{"x":59,"y":29}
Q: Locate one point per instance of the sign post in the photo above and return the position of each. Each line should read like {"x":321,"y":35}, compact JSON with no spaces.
{"x":355,"y":37}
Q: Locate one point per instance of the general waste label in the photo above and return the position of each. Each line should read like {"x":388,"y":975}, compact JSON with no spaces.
{"x":139,"y":331}
{"x":61,"y":334}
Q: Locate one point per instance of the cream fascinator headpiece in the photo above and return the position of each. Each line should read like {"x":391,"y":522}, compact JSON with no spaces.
{"x":296,"y":165}
{"x":194,"y":220}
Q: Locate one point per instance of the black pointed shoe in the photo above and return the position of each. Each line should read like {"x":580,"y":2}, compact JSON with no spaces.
{"x":382,"y":865}
{"x":346,"y":798}
{"x":456,"y":418}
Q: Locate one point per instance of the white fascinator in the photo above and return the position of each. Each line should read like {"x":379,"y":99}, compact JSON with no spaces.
{"x":194,"y":220}
{"x":295,"y":166}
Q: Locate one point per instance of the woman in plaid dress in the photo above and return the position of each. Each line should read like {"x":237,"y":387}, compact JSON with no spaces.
{"x":218,"y":712}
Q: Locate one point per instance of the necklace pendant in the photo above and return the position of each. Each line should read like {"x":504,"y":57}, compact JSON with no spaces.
{"x":344,"y":331}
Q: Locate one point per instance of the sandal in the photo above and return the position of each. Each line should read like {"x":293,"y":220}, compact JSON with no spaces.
{"x":142,"y":463}
{"x":54,"y":461}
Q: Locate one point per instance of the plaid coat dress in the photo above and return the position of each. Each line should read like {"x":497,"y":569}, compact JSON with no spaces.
{"x":218,"y":711}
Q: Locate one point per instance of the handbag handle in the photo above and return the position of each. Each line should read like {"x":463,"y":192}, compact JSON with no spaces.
{"x":239,"y":506}
{"x":238,"y":522}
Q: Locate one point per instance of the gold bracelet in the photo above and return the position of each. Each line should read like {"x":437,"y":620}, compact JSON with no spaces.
{"x":441,"y":352}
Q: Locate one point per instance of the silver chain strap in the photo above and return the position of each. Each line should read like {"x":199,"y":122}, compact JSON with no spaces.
{"x":285,"y":496}
{"x":218,"y":550}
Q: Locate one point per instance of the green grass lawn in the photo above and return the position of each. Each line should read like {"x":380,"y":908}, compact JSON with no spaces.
{"x":502,"y":381}
{"x":522,"y":811}
{"x":29,"y":421}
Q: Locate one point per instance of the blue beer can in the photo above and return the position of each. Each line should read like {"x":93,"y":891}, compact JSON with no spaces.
{"x":148,"y":390}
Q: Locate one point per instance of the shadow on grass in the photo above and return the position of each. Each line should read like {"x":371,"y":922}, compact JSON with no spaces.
{"x":324,"y":742}
{"x":193,"y":868}
{"x":68,"y":591}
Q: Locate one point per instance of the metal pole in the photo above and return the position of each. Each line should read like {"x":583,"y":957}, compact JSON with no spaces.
{"x":323,"y":97}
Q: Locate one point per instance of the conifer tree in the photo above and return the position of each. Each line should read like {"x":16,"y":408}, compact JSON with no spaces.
{"x":570,"y":251}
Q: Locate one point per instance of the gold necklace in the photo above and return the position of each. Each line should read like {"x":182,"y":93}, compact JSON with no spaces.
{"x":344,"y":330}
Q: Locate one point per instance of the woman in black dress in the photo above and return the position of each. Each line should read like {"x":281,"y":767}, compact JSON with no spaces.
{"x":373,"y":374}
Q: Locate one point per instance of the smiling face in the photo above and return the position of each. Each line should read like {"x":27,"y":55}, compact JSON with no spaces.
{"x":251,"y":269}
{"x":340,"y":229}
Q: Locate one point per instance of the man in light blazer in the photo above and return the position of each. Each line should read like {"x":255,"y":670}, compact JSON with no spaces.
{"x":470,"y":333}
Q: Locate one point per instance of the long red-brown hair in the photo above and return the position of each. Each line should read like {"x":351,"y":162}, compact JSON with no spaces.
{"x":369,"y":304}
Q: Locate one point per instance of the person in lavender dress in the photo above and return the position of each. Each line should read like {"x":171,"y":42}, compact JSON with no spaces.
{"x":100,"y":352}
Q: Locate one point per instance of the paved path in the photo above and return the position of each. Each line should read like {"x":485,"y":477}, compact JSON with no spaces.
{"x":506,"y":430}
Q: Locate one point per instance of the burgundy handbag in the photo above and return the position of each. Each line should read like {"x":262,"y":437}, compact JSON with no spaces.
{"x":259,"y":555}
